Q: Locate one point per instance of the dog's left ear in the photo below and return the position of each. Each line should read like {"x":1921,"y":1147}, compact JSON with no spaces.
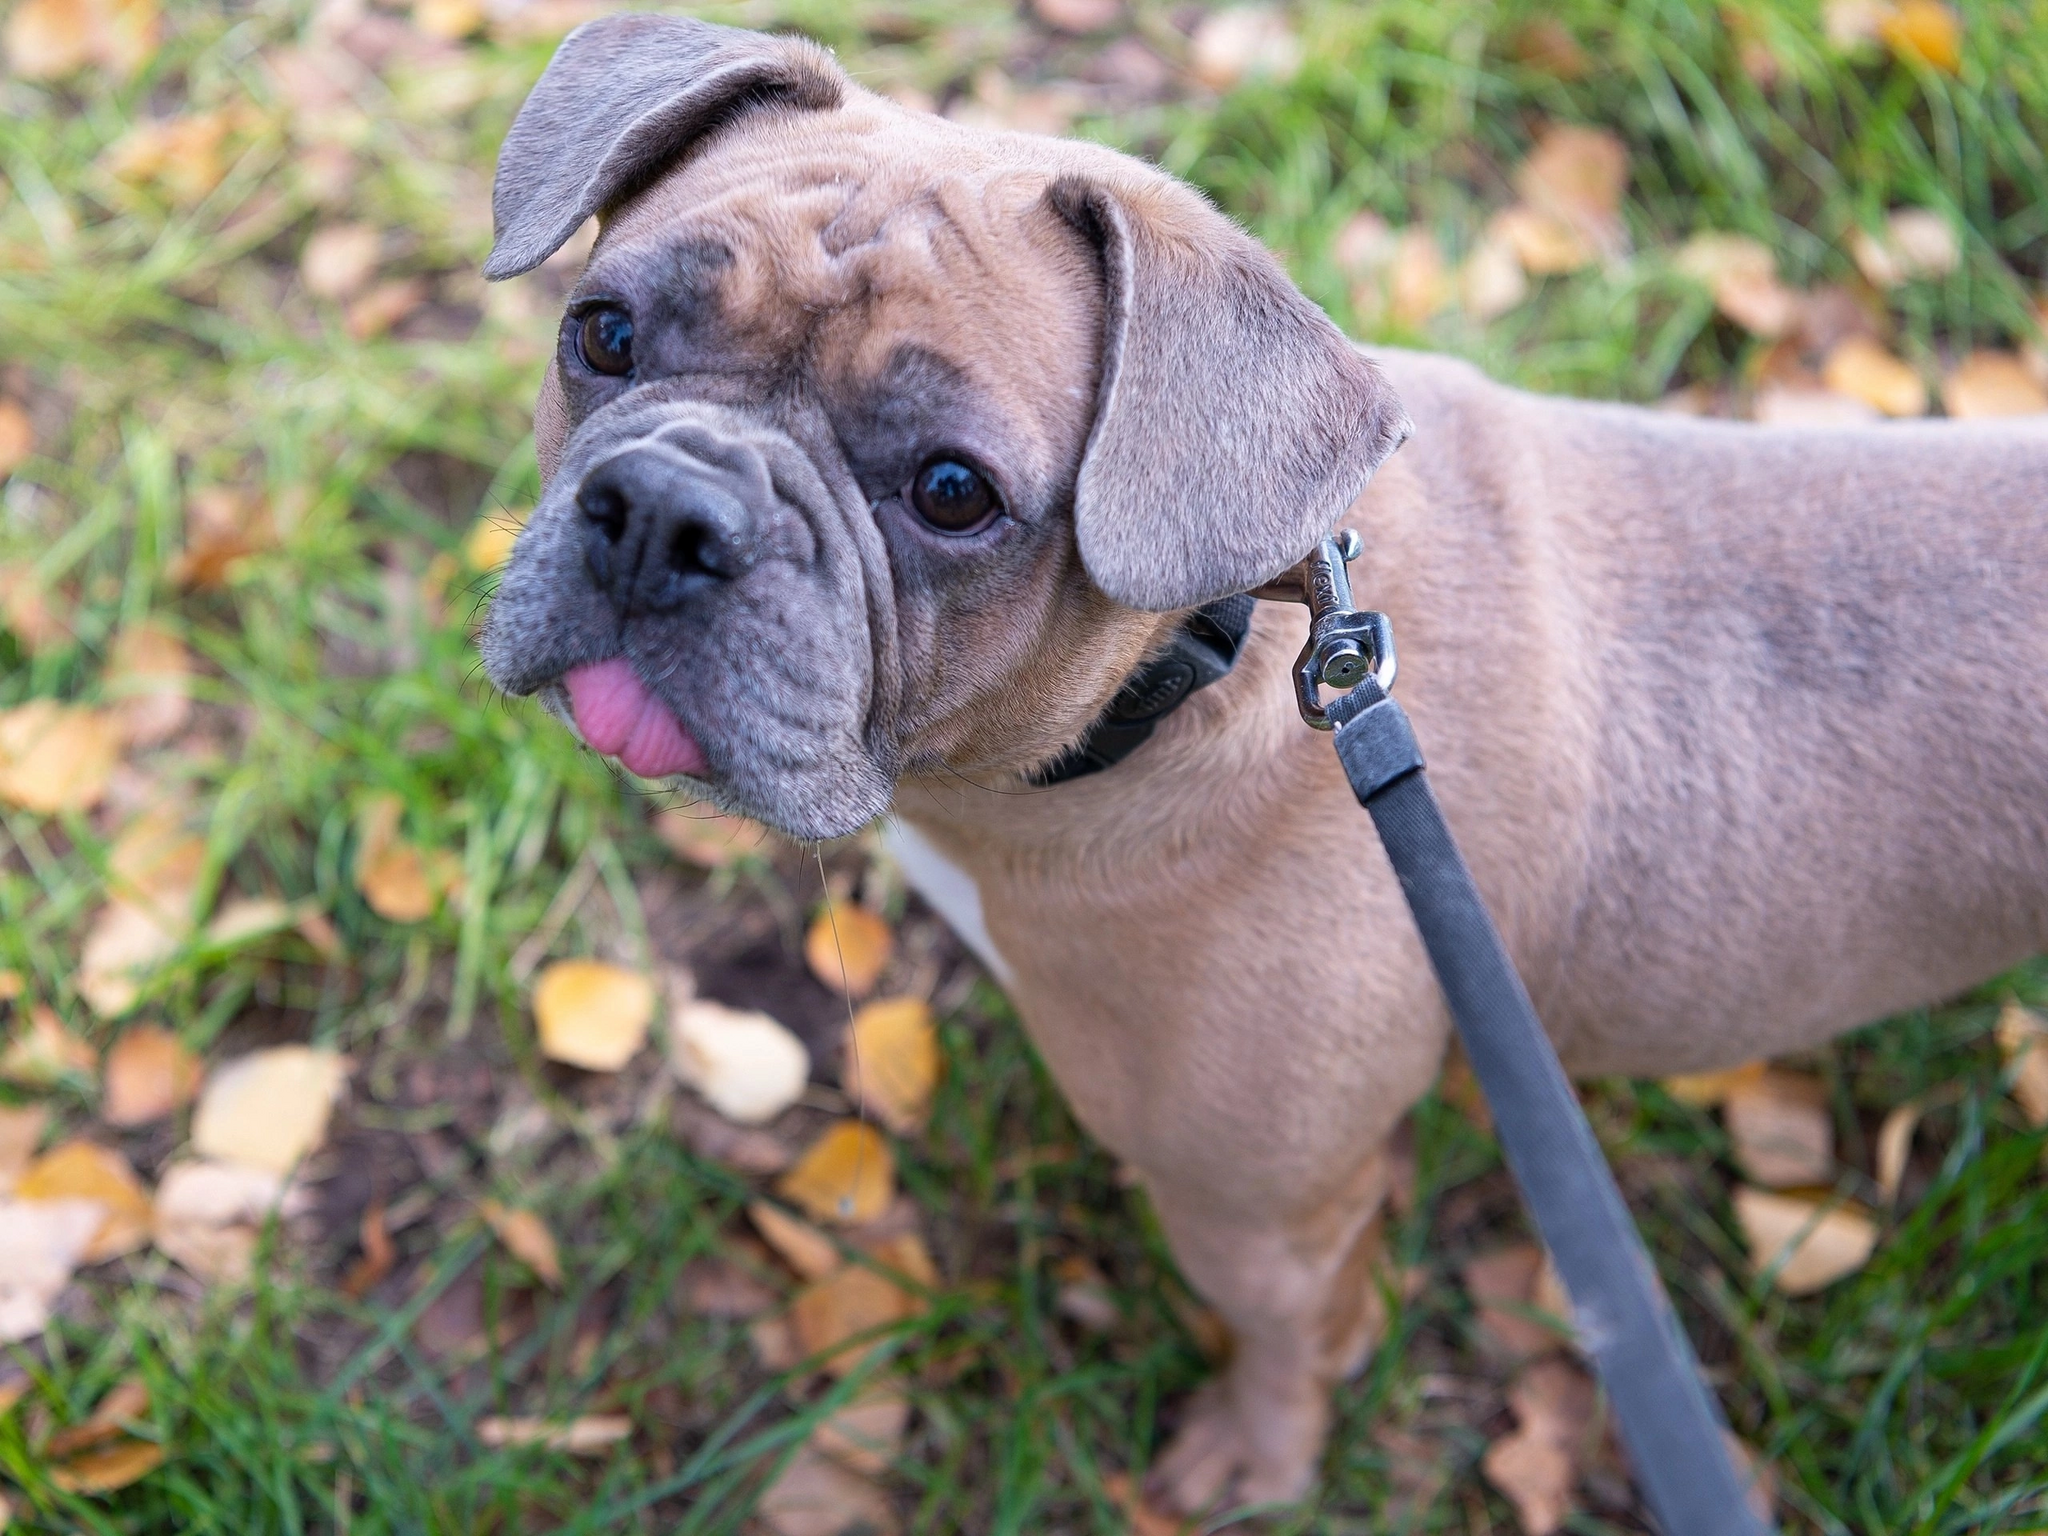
{"x":1234,"y":422}
{"x":623,"y":98}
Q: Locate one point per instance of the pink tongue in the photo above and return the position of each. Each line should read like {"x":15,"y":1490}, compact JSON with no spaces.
{"x":619,"y":717}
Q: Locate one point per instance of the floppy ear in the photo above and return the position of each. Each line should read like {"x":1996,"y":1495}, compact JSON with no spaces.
{"x":622,"y":98}
{"x":1234,"y":422}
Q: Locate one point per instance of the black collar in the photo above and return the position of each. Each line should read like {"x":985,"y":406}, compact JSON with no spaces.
{"x":1202,"y":652}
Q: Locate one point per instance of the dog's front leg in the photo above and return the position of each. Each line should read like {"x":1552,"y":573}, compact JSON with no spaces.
{"x":1301,"y":1295}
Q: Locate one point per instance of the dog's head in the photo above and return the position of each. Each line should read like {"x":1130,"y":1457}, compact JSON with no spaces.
{"x":875,"y":444}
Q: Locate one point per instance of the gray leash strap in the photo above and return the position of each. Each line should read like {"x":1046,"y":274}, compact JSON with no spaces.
{"x":1676,"y":1438}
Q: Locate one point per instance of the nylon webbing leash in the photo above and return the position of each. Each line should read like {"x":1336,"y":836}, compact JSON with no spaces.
{"x":1668,"y":1420}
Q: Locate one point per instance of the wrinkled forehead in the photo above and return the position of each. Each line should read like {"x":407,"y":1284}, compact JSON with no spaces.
{"x":851,"y":241}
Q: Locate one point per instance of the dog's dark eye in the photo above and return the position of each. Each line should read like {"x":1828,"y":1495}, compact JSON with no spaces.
{"x":952,"y":497}
{"x":606,"y":340}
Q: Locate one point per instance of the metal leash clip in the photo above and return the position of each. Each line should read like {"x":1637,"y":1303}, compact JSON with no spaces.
{"x":1345,"y":646}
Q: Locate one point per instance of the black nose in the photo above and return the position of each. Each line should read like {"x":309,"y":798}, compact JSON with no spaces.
{"x":659,"y":526}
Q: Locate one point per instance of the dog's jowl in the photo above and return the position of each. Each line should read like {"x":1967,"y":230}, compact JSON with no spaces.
{"x":880,"y":450}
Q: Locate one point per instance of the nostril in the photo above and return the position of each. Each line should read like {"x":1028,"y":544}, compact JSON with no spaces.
{"x":691,"y":549}
{"x":606,"y":509}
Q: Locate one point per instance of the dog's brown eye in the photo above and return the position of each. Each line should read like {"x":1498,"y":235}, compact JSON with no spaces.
{"x":606,"y":340}
{"x":952,"y":497}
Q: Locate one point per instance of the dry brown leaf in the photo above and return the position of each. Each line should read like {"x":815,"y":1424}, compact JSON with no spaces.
{"x":41,"y":1243}
{"x":183,"y":158}
{"x":747,"y":1066}
{"x":892,"y":1061}
{"x":1742,"y":275}
{"x":56,"y":757}
{"x":21,"y":1132}
{"x":1894,"y":1145}
{"x":125,"y":942}
{"x":816,"y":1496}
{"x":1925,"y":32}
{"x":1577,"y":176}
{"x":1864,"y":369}
{"x":1537,"y":1466}
{"x":2023,"y":1040}
{"x":1502,"y":1285}
{"x":208,"y":1215}
{"x":848,"y":1176}
{"x":393,"y":875}
{"x":47,"y":39}
{"x":1989,"y":383}
{"x":845,"y":1304}
{"x":17,"y":434}
{"x":866,"y":1435}
{"x":249,"y":917}
{"x":710,"y":839}
{"x":590,"y":1434}
{"x":1817,"y":1245}
{"x":149,"y":676}
{"x":1418,"y":284}
{"x":526,"y":1237}
{"x":592,"y":1014}
{"x":149,"y":1074}
{"x":720,"y":1288}
{"x":379,"y":1253}
{"x":1916,"y":243}
{"x":801,"y":1246}
{"x":270,"y":1108}
{"x":12,"y":984}
{"x":1705,"y":1090}
{"x":84,"y":1170}
{"x":43,"y":1051}
{"x":775,"y":1341}
{"x":126,"y":1401}
{"x":1084,"y":1294}
{"x":1541,"y":243}
{"x":1490,"y":280}
{"x":1128,"y":1495}
{"x":224,"y":525}
{"x":1241,"y":43}
{"x":29,"y":608}
{"x":847,"y":948}
{"x":1781,"y":1131}
{"x":115,"y":1466}
{"x":339,"y":260}
{"x":384,"y":306}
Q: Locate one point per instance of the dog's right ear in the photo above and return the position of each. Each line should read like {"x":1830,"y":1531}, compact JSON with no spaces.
{"x":621,"y":100}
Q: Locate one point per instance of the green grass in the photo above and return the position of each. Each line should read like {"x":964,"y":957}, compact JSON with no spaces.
{"x":165,"y":348}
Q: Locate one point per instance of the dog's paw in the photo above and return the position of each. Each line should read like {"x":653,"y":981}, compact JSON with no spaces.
{"x":1230,"y":1453}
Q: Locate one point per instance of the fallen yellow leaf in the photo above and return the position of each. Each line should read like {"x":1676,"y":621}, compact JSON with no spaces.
{"x":17,"y":433}
{"x":526,"y":1237}
{"x":104,"y":1471}
{"x":56,"y":757}
{"x":1577,"y":176}
{"x":1860,"y":367}
{"x":270,"y":1108}
{"x":866,"y":1435}
{"x":1989,"y":383}
{"x":125,"y":1402}
{"x":183,"y":157}
{"x":41,"y":1243}
{"x":1742,"y":275}
{"x":1543,"y":244}
{"x":591,"y":1014}
{"x":1809,"y":1247}
{"x":816,"y":1496}
{"x":848,"y":1175}
{"x":1705,"y":1090}
{"x":848,"y":947}
{"x":47,"y":39}
{"x":43,"y":1051}
{"x":149,"y":676}
{"x":383,"y":307}
{"x":1418,"y":281}
{"x":1490,"y":280}
{"x":710,"y":839}
{"x":224,"y":525}
{"x":149,"y":1074}
{"x":584,"y":1436}
{"x":1894,"y":1144}
{"x":802,"y":1246}
{"x":1924,"y":31}
{"x":1780,"y":1128}
{"x":892,"y":1061}
{"x":1537,"y":1466}
{"x":21,"y":1132}
{"x":29,"y":608}
{"x":83,"y":1170}
{"x":451,"y":20}
{"x":747,"y":1066}
{"x":2023,"y":1039}
{"x":208,"y":1215}
{"x":848,"y":1302}
{"x":1243,"y":42}
{"x":490,"y":541}
{"x":126,"y":941}
{"x":339,"y":260}
{"x":393,"y":875}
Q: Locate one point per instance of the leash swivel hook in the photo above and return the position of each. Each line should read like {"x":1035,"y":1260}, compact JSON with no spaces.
{"x":1345,"y":646}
